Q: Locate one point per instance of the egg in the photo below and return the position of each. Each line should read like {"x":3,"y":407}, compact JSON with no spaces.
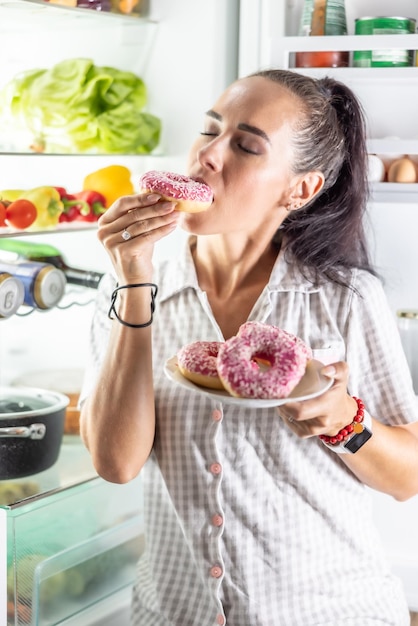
{"x":376,"y":169}
{"x":402,"y":171}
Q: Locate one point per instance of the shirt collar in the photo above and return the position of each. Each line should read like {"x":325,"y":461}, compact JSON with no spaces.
{"x":179,"y":273}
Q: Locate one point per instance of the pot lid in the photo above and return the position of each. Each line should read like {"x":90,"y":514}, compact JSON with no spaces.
{"x":29,"y":402}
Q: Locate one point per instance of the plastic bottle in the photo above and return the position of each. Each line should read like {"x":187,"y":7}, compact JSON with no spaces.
{"x":321,"y":18}
{"x":15,"y":249}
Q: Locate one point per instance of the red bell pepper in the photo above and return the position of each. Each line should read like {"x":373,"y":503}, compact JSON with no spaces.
{"x":96,"y":203}
{"x":74,"y":208}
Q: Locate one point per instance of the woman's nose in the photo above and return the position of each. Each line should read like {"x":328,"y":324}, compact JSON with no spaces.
{"x":210,"y":155}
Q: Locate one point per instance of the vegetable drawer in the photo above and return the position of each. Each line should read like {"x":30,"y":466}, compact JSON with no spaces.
{"x":72,"y":550}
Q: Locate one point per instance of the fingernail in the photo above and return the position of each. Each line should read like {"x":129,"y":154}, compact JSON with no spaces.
{"x":153,"y":197}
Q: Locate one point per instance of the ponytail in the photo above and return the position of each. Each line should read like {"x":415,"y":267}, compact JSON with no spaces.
{"x":326,"y":238}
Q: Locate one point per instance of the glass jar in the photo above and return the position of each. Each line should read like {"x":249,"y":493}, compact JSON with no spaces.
{"x":323,"y":17}
{"x":408,"y":328}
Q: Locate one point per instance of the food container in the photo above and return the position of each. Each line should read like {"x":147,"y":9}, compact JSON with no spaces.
{"x":384,"y":26}
{"x":31,"y":430}
{"x":408,"y":328}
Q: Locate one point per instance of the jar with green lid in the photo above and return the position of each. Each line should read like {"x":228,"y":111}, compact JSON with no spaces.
{"x":408,"y":328}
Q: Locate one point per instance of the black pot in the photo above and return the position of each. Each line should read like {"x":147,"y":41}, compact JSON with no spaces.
{"x":31,"y":430}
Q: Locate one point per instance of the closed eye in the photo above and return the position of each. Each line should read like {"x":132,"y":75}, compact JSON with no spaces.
{"x":244,"y":149}
{"x":240,"y":145}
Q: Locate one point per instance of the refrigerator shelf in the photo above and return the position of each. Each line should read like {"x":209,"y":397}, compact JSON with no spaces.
{"x":43,"y":9}
{"x":399,"y":193}
{"x":393,"y":145}
{"x":346,"y":42}
{"x":72,"y":227}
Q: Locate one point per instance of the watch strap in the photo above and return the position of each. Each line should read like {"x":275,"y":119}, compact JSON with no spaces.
{"x":357,"y":439}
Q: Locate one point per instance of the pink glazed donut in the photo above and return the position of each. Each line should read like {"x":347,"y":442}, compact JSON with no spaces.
{"x":197,"y":362}
{"x":262,"y":361}
{"x":190,"y":195}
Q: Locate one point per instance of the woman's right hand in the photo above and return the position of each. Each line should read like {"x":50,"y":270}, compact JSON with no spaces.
{"x":129,"y":229}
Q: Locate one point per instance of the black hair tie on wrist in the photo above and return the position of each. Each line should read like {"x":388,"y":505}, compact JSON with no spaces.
{"x":154,"y":290}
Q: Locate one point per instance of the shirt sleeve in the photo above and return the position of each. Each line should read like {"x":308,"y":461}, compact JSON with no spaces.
{"x":379,"y":371}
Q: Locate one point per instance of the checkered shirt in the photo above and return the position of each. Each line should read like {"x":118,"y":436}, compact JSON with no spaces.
{"x":246,"y":524}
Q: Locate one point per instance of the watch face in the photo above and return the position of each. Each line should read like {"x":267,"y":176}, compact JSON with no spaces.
{"x":358,"y":440}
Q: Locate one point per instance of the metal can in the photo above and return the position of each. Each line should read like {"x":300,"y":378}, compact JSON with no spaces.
{"x":384,"y":26}
{"x":44,"y":285}
{"x":12,"y":293}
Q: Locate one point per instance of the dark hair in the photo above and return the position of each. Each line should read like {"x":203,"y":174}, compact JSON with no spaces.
{"x":327,"y":237}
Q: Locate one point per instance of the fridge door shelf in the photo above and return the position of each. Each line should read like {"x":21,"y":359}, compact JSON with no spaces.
{"x":282,"y":47}
{"x":397,"y":193}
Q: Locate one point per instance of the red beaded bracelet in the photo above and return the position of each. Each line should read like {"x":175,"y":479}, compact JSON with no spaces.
{"x":356,"y":426}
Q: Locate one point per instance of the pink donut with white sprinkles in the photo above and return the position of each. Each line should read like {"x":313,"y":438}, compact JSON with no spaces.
{"x":191,"y":196}
{"x":262,"y":361}
{"x":197,"y":362}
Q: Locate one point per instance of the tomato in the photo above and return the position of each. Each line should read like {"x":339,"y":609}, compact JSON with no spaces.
{"x":3,"y":208}
{"x":21,"y":213}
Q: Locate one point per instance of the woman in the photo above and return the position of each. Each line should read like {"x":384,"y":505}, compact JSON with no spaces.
{"x":250,"y":518}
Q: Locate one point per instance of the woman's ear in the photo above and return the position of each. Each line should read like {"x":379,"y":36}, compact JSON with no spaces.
{"x":306,"y":188}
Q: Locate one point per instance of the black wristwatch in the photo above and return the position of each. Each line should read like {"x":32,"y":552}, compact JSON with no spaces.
{"x":358,"y":439}
{"x":361,"y":434}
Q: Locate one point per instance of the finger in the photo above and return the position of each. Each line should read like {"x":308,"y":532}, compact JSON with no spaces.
{"x":124,"y":204}
{"x":286,"y":415}
{"x":164,"y":218}
{"x":137,"y":221}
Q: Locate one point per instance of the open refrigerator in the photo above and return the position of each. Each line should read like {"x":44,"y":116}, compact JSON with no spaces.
{"x":187,"y":52}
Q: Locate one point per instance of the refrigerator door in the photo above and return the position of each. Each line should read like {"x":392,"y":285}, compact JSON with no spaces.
{"x":389,"y":98}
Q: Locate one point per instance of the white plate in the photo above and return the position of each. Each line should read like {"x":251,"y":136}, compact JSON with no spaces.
{"x":312,"y":384}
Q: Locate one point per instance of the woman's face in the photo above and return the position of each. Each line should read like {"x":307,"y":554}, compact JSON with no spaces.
{"x":245,"y":155}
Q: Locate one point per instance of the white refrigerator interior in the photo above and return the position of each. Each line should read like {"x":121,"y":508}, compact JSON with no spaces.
{"x":187,"y":55}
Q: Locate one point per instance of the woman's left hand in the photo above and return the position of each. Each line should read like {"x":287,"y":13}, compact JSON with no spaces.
{"x":326,"y":414}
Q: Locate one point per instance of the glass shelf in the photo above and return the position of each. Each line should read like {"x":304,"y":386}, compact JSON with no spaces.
{"x":35,"y":10}
{"x":73,"y":467}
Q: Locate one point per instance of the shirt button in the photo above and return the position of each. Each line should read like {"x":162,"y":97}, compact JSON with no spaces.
{"x":220,"y":619}
{"x":216,"y":415}
{"x":216,"y":571}
{"x":217,"y":520}
{"x":216,"y":468}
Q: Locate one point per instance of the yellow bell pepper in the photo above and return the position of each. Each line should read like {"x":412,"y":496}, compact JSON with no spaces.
{"x":11,"y":194}
{"x":48,"y":204}
{"x":112,"y":182}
